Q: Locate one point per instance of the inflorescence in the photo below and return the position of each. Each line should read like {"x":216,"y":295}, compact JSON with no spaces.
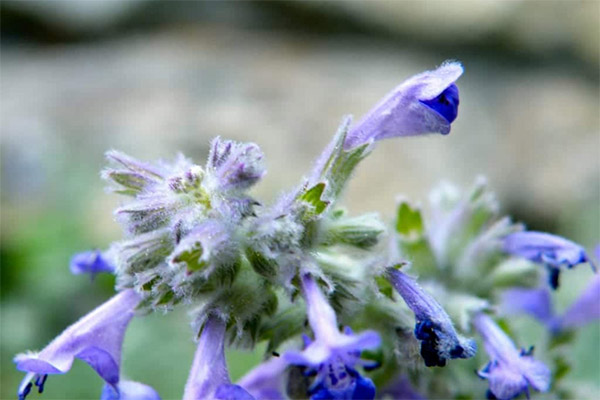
{"x":349,"y":308}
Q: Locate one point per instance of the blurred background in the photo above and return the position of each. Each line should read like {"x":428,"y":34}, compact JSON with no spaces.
{"x":152,"y":78}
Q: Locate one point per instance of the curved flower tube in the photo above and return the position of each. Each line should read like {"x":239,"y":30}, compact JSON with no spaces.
{"x":439,"y":339}
{"x":550,"y":250}
{"x":509,"y":371}
{"x":425,"y":103}
{"x":209,"y":377}
{"x":96,"y":338}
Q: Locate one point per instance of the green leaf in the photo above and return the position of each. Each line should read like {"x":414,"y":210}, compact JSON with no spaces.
{"x":385,"y":287}
{"x":313,"y":197}
{"x":409,"y":221}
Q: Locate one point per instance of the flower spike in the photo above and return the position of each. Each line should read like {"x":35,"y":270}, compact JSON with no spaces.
{"x":439,"y":339}
{"x":425,"y":103}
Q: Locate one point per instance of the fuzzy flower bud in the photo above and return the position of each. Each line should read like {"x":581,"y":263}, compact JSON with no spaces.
{"x":425,"y":103}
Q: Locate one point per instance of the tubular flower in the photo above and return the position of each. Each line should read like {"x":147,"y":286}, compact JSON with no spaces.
{"x":543,"y":248}
{"x":510,"y":372}
{"x":96,"y":339}
{"x":209,"y":377}
{"x":332,"y":355}
{"x":538,"y":304}
{"x":425,"y":103}
{"x":265,"y":381}
{"x":439,"y":339}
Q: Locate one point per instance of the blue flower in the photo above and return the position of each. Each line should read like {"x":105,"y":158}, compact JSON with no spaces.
{"x":425,"y":103}
{"x":439,"y":339}
{"x":538,"y":303}
{"x":265,"y":381}
{"x":333,"y":355}
{"x":90,"y":262}
{"x":510,"y":372}
{"x":543,"y":248}
{"x":96,"y":339}
{"x":209,"y":377}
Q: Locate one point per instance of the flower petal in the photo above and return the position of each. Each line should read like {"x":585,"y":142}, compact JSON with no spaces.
{"x":90,"y":262}
{"x":96,"y":339}
{"x":425,"y":103}
{"x":129,"y":390}
{"x":209,"y":369}
{"x":535,"y":302}
{"x":586,"y":308}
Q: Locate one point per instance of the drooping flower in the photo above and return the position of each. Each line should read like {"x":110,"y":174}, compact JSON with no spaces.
{"x":90,"y":262}
{"x":209,"y":377}
{"x":96,"y":338}
{"x":550,"y":250}
{"x":332,"y":355}
{"x":439,"y":339}
{"x":538,"y":303}
{"x":510,"y":372}
{"x":425,"y":103}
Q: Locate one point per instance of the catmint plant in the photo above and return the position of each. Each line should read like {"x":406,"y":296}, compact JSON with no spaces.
{"x":349,"y":306}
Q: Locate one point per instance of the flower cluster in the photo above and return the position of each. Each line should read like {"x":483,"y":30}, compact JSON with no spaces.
{"x":302,"y":275}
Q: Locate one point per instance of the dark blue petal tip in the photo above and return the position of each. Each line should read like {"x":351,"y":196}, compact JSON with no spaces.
{"x":446,"y":104}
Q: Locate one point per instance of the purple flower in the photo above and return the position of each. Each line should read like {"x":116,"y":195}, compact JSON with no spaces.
{"x":544,"y":248}
{"x":128,"y":390}
{"x":332,"y":355}
{"x":425,"y":103}
{"x":266,"y":379}
{"x":96,"y":339}
{"x":538,"y":303}
{"x":510,"y":372}
{"x":439,"y":339}
{"x":209,"y":377}
{"x":90,"y":262}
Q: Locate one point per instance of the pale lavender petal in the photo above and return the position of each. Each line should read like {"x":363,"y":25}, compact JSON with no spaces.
{"x":232,"y":392}
{"x":586,"y":308}
{"x":538,"y":375}
{"x":544,"y":248}
{"x":535,"y":302}
{"x":510,"y":372}
{"x":505,"y":382}
{"x":96,"y":338}
{"x":129,"y":390}
{"x":321,"y":315}
{"x":265,"y":381}
{"x":406,"y":110}
{"x":209,"y":369}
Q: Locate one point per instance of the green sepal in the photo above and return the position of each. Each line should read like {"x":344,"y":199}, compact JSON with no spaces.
{"x":313,"y":196}
{"x":561,"y":369}
{"x":385,"y":287}
{"x":192,"y":258}
{"x":562,"y":338}
{"x":261,"y":264}
{"x":341,"y":163}
{"x":362,"y":231}
{"x":409,"y":221}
